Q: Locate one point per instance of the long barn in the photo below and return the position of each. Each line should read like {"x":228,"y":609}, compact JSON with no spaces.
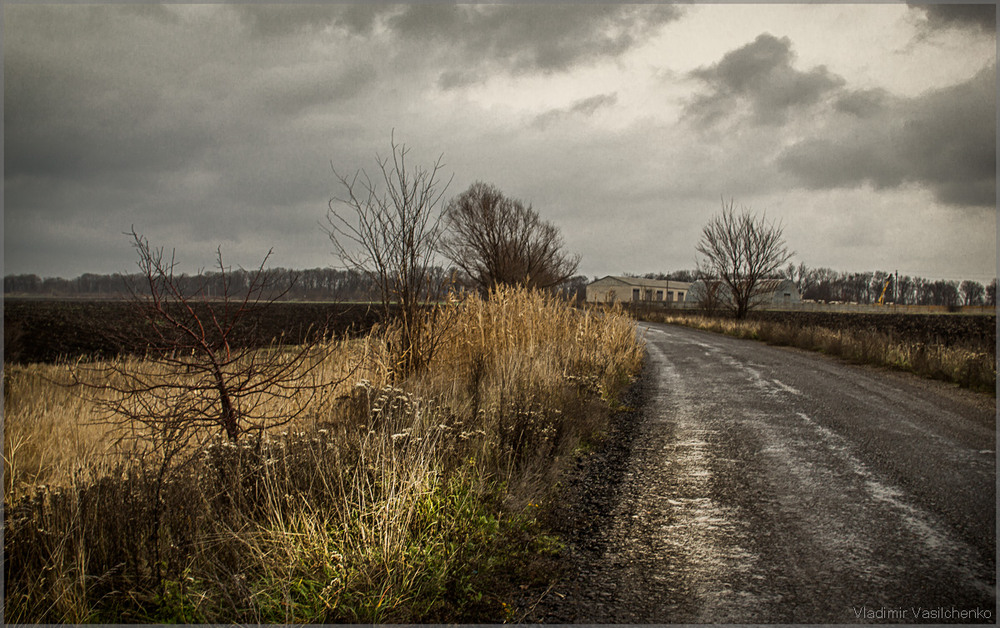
{"x":612,"y":289}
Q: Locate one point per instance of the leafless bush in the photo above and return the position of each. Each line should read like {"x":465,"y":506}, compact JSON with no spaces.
{"x":204,"y":371}
{"x":498,"y":241}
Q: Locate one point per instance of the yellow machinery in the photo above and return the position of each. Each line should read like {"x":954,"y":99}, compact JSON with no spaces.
{"x":881,"y":297}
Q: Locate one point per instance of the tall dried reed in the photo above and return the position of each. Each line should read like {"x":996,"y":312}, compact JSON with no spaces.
{"x":390,"y":501}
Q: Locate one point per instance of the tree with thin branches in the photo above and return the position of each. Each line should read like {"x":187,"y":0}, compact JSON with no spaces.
{"x":741,"y":251}
{"x":207,"y":370}
{"x":388,"y":227}
{"x":206,"y":364}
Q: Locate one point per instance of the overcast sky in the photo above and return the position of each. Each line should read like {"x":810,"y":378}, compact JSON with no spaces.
{"x":868,"y":131}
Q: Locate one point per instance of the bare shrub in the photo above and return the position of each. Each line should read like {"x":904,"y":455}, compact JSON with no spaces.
{"x":389,"y":228}
{"x":204,"y":372}
{"x":500,"y":241}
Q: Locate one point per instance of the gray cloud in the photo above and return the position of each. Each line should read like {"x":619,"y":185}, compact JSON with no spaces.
{"x":862,"y":103}
{"x":288,"y":93}
{"x":79,"y":121}
{"x":585,"y":107}
{"x":519,"y":38}
{"x":171,"y":119}
{"x":944,"y":139}
{"x":280,"y":20}
{"x":217,"y":124}
{"x":759,"y":76}
{"x":472,"y":42}
{"x":945,"y":15}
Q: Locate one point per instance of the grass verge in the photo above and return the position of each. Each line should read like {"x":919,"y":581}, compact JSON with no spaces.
{"x":973,"y":368}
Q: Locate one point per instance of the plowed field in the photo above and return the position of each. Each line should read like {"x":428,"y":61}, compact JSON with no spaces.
{"x":46,"y":331}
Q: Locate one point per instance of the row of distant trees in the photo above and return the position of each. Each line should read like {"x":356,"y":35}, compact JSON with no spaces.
{"x":825,"y":284}
{"x":331,"y":284}
{"x":314,"y":284}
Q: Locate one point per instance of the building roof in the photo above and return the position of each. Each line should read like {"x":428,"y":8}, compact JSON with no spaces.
{"x":641,"y":282}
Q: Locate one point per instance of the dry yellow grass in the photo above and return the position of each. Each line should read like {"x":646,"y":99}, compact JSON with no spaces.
{"x":377,"y":505}
{"x":969,"y":368}
{"x":50,"y":432}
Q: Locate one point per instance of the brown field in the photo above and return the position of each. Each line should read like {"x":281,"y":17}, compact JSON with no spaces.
{"x":40,"y":330}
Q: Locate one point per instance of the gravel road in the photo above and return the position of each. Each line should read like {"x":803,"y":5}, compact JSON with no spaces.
{"x":758,"y":484}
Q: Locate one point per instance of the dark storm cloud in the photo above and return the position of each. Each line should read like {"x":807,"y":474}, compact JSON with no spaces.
{"x":67,"y":119}
{"x":760,"y":76}
{"x":520,"y":38}
{"x":944,"y":139}
{"x":862,"y":103}
{"x":585,"y":107}
{"x":171,"y":119}
{"x":974,"y":16}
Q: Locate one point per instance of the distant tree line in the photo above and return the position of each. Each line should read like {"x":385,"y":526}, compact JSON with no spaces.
{"x":826,"y":285}
{"x":315,"y":284}
{"x":688,"y":276}
{"x":329,"y":284}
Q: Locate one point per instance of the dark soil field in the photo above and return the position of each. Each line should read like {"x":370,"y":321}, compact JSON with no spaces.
{"x":49,"y":330}
{"x":952,"y":330}
{"x":52,"y":330}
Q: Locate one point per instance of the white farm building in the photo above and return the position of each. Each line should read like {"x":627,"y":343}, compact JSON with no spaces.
{"x":636,"y":289}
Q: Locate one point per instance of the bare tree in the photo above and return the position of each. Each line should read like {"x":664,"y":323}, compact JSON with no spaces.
{"x":206,"y":370}
{"x":741,"y":251}
{"x":497,"y":240}
{"x":388,"y":228}
{"x":206,"y":364}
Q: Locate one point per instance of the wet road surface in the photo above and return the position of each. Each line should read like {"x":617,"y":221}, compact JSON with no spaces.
{"x":766,"y":484}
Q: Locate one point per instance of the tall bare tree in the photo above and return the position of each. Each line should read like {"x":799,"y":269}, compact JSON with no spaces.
{"x":388,"y":227}
{"x":741,"y":250}
{"x":496,"y":240}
